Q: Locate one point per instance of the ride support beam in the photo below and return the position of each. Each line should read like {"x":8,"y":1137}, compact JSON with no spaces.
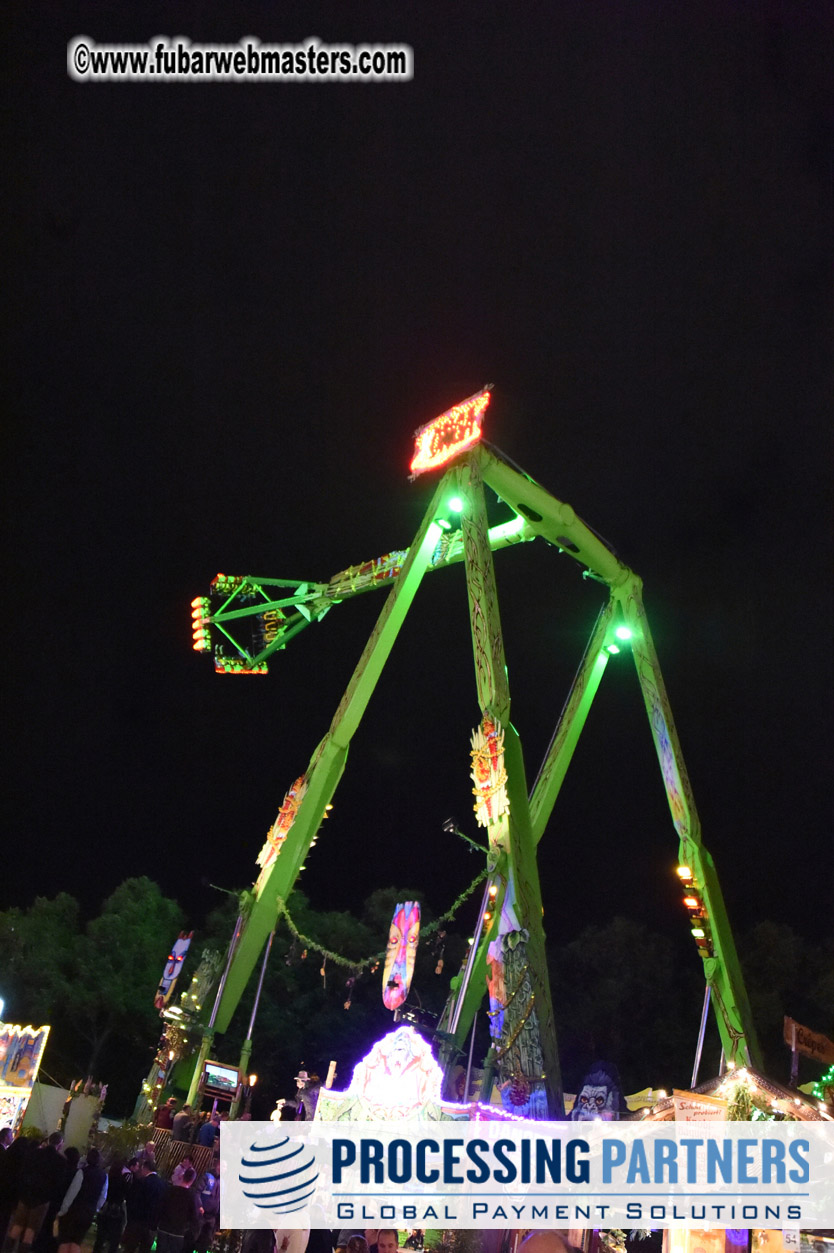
{"x":512,"y":834}
{"x":550,"y":518}
{"x":328,"y":762}
{"x":571,"y":722}
{"x":717,"y":947}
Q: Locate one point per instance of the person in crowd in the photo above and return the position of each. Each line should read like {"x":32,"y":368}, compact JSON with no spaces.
{"x":148,"y":1154}
{"x":180,"y":1211}
{"x":181,"y":1168}
{"x":357,"y":1244}
{"x":46,"y":1241}
{"x":321,"y":1240}
{"x":208,"y":1188}
{"x":112,"y":1215}
{"x":544,"y":1242}
{"x":208,"y":1133}
{"x":41,"y":1181}
{"x":387,"y":1241}
{"x":11,"y":1158}
{"x":144,"y":1199}
{"x":265,"y":1242}
{"x":164,"y":1116}
{"x":182,"y":1124}
{"x":85,"y":1197}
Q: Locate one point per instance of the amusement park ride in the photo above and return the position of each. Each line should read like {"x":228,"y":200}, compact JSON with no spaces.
{"x":245,"y":620}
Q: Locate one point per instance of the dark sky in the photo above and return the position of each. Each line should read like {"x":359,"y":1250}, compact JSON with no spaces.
{"x":232,"y":305}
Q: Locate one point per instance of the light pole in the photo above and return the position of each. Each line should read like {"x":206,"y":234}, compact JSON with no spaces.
{"x":247,"y":1106}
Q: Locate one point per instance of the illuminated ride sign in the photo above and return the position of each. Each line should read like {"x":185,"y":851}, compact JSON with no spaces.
{"x":449,"y":435}
{"x":21,"y":1050}
{"x":395,"y":1080}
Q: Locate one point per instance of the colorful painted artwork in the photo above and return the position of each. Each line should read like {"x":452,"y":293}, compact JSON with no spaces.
{"x":401,"y":953}
{"x":12,"y":1109}
{"x":21,"y":1050}
{"x":369,"y":574}
{"x":399,"y":1074}
{"x":173,"y":966}
{"x":488,"y":772}
{"x":280,"y":828}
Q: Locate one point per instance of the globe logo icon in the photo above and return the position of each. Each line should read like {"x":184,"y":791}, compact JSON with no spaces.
{"x":280,"y":1177}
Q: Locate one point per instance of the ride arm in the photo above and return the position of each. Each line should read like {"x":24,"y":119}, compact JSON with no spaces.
{"x":271,"y":621}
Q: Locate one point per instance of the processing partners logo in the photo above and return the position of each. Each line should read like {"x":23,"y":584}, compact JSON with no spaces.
{"x":496,"y":1175}
{"x":279,"y":1177}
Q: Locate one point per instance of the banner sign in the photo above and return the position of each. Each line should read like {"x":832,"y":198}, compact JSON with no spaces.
{"x":490,"y":1176}
{"x":808,"y":1043}
{"x":695,"y":1107}
{"x":21,"y":1049}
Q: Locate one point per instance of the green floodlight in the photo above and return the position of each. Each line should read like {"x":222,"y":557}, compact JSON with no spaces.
{"x":456,"y":504}
{"x":623,"y":633}
{"x":612,"y":649}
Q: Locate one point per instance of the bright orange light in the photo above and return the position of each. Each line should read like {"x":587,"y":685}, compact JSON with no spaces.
{"x":196,"y":602}
{"x":493,"y":891}
{"x":685,"y":873}
{"x":445,"y":437}
{"x":691,"y":902}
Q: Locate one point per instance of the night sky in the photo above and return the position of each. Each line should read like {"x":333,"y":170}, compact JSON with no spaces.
{"x":231,"y":307}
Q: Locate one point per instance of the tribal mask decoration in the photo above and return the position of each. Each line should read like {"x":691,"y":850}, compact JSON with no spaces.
{"x":400,"y":954}
{"x":173,"y":966}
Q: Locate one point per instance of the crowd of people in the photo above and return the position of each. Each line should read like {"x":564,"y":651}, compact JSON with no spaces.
{"x":186,"y":1125}
{"x":49,"y":1197}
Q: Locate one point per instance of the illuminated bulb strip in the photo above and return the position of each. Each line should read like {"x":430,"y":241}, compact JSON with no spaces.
{"x":449,"y":435}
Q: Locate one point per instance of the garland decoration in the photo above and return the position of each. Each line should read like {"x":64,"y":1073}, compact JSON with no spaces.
{"x":357,"y":967}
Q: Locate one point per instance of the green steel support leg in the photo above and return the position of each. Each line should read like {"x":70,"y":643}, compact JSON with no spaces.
{"x":328,"y":762}
{"x":721,"y":965}
{"x":566,"y":736}
{"x":245,"y":1055}
{"x":202,"y":1056}
{"x":512,"y":835}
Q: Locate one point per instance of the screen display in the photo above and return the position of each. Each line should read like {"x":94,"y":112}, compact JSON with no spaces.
{"x":221,"y":1079}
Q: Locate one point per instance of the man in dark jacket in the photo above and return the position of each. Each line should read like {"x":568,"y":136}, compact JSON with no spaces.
{"x":180,"y":1211}
{"x":144,"y":1201}
{"x":182,"y":1124}
{"x":164,"y":1116}
{"x":41,"y":1182}
{"x":208,"y":1190}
